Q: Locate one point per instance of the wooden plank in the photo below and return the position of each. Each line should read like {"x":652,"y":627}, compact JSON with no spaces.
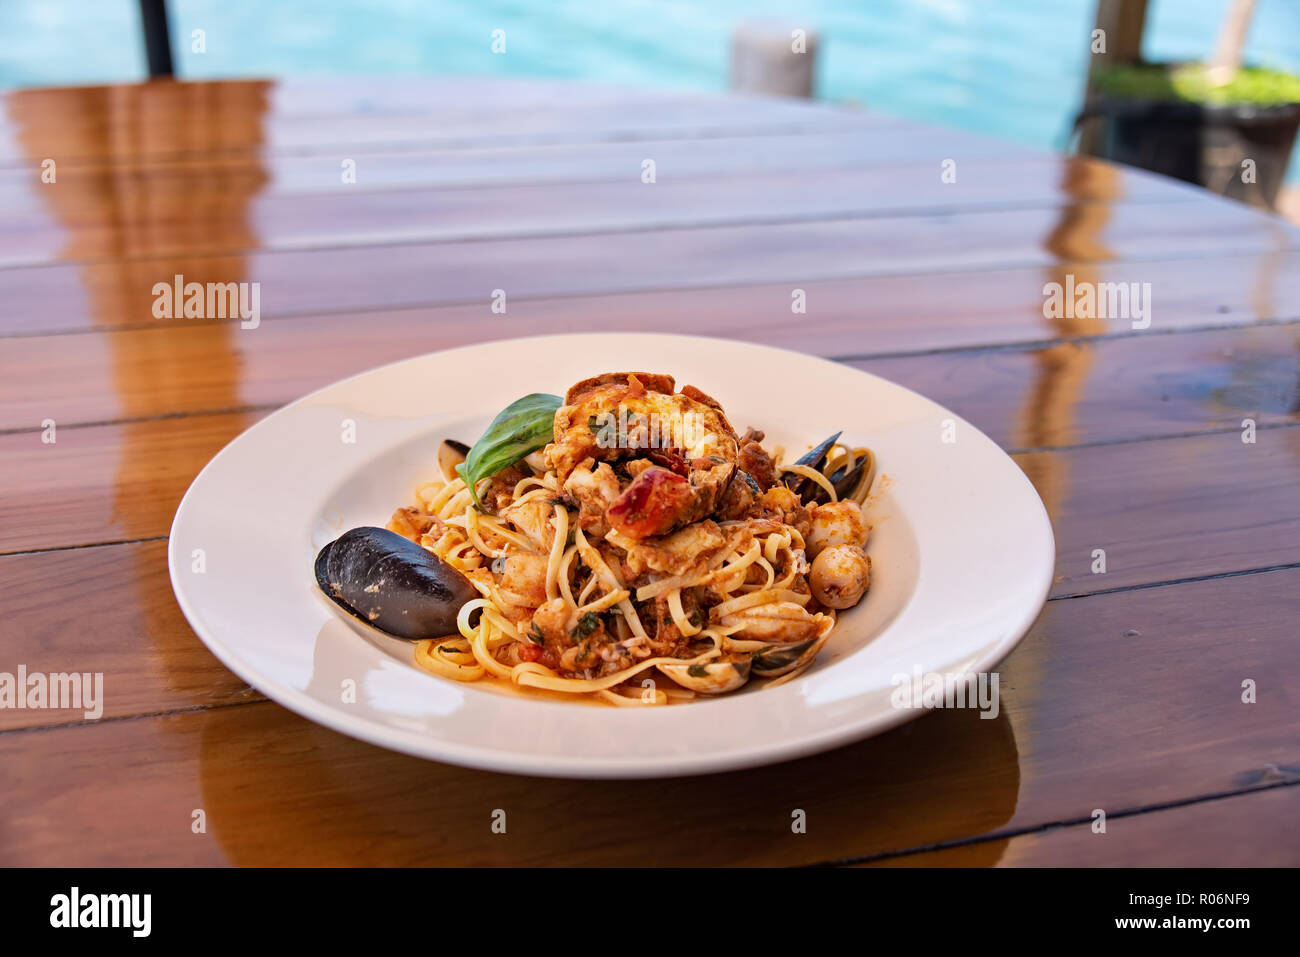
{"x":120,"y":217}
{"x":424,"y":168}
{"x":102,"y":484}
{"x":1119,"y":701}
{"x":1169,"y":509}
{"x":1111,"y":390}
{"x":111,"y":294}
{"x":1256,"y":829}
{"x":876,"y":315}
{"x":326,"y":99}
{"x":110,"y":611}
{"x":1066,"y":393}
{"x":126,"y":122}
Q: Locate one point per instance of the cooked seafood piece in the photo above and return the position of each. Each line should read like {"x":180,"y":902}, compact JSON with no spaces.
{"x":392,"y":584}
{"x":523,"y":577}
{"x":840,"y":575}
{"x":677,"y":553}
{"x":776,"y":660}
{"x":412,"y":523}
{"x":839,"y":523}
{"x":450,"y":454}
{"x":533,"y":518}
{"x":595,"y":490}
{"x":814,"y":458}
{"x":711,"y":677}
{"x":783,"y":621}
{"x":754,"y":461}
{"x":846,"y":481}
{"x":691,"y":447}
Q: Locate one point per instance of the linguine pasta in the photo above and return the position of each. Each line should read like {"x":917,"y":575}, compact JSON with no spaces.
{"x":691,"y":589}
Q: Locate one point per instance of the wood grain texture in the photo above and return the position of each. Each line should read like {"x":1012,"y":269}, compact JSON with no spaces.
{"x":420,"y":167}
{"x":1255,"y":829}
{"x":1084,"y":723}
{"x":1080,"y":391}
{"x":104,"y":484}
{"x":108,"y":294}
{"x":111,"y":611}
{"x":846,"y":317}
{"x":1138,"y":386}
{"x":1170,"y":508}
{"x":1126,"y":697}
{"x":177,"y":119}
{"x":138,"y":217}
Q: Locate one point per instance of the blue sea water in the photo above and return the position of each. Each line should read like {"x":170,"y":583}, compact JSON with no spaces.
{"x":1008,"y":68}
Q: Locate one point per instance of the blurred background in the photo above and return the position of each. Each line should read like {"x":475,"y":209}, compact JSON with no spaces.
{"x":1014,"y":69}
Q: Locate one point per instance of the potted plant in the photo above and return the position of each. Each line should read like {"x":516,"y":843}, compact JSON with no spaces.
{"x":1216,"y":124}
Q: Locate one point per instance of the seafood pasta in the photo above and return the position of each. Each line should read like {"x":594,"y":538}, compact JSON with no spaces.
{"x":627,"y":534}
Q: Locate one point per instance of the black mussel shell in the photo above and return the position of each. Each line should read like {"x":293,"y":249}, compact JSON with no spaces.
{"x":816,"y":455}
{"x":808,"y":490}
{"x":846,"y":480}
{"x":392,"y":584}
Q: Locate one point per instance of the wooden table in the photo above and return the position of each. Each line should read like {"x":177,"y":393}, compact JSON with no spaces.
{"x":1126,"y":696}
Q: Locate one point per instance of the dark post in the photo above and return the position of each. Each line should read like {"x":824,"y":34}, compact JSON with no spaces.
{"x":1123,"y":23}
{"x":157,"y":43}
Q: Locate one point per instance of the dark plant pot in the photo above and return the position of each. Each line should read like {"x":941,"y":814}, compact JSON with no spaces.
{"x":1205,"y":145}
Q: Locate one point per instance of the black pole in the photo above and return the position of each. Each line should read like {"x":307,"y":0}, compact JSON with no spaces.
{"x":157,"y":44}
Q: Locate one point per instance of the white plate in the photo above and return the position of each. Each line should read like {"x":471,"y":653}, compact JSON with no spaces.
{"x":962,"y":557}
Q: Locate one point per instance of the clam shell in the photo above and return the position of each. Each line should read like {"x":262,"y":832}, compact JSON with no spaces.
{"x":778,"y":659}
{"x":711,"y":677}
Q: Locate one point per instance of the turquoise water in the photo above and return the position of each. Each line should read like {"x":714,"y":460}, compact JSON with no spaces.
{"x":1009,"y":68}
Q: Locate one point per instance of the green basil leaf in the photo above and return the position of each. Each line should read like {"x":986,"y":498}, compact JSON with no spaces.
{"x":523,"y":426}
{"x":585,"y":626}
